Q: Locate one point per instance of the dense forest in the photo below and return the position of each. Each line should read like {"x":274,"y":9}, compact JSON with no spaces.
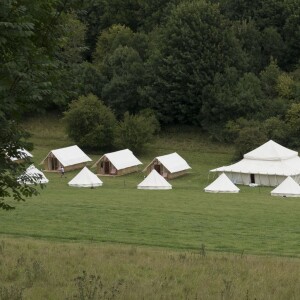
{"x":230,"y":68}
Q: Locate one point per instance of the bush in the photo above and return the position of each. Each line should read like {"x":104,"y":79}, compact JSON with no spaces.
{"x":90,"y":123}
{"x":135,"y":131}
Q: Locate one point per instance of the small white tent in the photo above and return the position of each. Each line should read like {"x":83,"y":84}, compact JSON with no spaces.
{"x":288,"y":188}
{"x":222,"y":185}
{"x":266,"y":165}
{"x":169,"y":166}
{"x":154,"y":181}
{"x":33,"y":175}
{"x":85,"y":178}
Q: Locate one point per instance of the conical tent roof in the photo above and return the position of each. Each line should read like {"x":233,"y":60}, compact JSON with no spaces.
{"x":271,"y":151}
{"x":222,"y":185}
{"x":85,"y":178}
{"x":33,"y":175}
{"x":288,"y":188}
{"x":154,"y":181}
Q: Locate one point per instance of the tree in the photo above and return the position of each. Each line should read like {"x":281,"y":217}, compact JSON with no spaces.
{"x":136,"y":131}
{"x":119,"y":58}
{"x":192,"y":47}
{"x":293,"y":121}
{"x":28,"y":31}
{"x":67,"y":79}
{"x":124,"y":73}
{"x":11,"y":139}
{"x":90,"y":123}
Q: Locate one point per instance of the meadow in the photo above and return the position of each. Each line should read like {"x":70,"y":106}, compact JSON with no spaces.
{"x":130,"y":244}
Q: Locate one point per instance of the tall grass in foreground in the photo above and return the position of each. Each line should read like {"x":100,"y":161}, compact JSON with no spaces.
{"x":31,"y":269}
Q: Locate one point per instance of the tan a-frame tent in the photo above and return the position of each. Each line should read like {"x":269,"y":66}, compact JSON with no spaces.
{"x":71,"y":158}
{"x":169,"y":166}
{"x":117,"y":163}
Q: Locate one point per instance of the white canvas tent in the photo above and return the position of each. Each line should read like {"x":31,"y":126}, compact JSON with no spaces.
{"x":266,"y":165}
{"x":85,"y":178}
{"x":70,"y":158}
{"x":154,"y":181}
{"x":222,"y":185}
{"x":288,"y":188}
{"x":169,"y":166}
{"x":32,"y":175}
{"x":23,"y":154}
{"x":117,"y":163}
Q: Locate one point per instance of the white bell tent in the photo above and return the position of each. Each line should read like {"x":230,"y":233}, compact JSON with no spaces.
{"x":288,"y":188}
{"x":85,"y":178}
{"x":222,"y":185}
{"x":33,"y":175}
{"x":154,"y":181}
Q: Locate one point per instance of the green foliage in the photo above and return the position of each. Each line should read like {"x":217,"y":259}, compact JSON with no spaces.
{"x":277,"y":130}
{"x":136,"y":131}
{"x":11,"y":139}
{"x":293,"y":121}
{"x":90,"y":123}
{"x":119,"y":58}
{"x":192,"y":47}
{"x":123,"y":71}
{"x":28,"y":43}
{"x":269,"y":77}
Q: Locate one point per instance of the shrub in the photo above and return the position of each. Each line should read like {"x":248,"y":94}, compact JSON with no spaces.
{"x":135,"y":131}
{"x":90,"y":123}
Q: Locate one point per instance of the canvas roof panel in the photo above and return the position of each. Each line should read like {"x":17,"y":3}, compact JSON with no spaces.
{"x":287,"y":167}
{"x":271,"y":151}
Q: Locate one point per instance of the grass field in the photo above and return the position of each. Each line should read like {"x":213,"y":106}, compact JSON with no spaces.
{"x":183,"y":218}
{"x":117,"y":242}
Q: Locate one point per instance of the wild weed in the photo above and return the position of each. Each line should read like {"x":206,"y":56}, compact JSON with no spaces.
{"x":11,"y":293}
{"x":91,"y":287}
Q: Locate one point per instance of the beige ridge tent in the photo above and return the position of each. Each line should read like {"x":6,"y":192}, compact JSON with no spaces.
{"x":23,"y":154}
{"x":71,"y":158}
{"x":117,"y":163}
{"x":169,"y":166}
{"x":267,"y":165}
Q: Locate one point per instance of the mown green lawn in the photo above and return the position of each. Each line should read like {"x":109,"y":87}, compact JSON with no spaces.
{"x":185,"y":217}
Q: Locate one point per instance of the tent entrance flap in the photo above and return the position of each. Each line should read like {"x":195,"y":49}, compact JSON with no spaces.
{"x":252,"y":178}
{"x":106,"y":167}
{"x":53,"y":163}
{"x":157,"y":169}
